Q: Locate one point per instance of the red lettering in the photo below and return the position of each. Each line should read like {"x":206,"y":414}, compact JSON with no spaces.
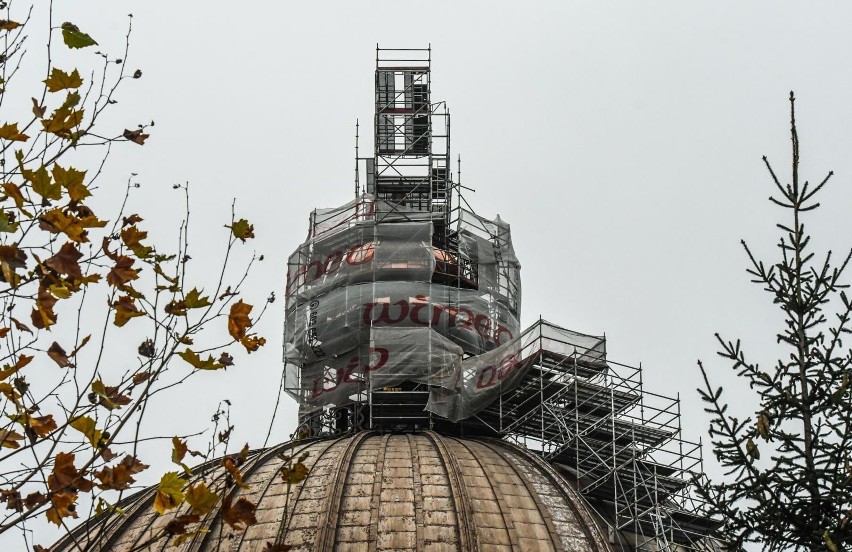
{"x":480,"y":384}
{"x":381,"y":361}
{"x":482,"y":323}
{"x":384,"y":313}
{"x":360,"y":254}
{"x":419,"y":303}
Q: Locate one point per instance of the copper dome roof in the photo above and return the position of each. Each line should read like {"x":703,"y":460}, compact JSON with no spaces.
{"x":382,"y":492}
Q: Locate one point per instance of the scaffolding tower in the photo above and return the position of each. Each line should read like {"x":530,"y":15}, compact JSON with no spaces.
{"x":406,"y":233}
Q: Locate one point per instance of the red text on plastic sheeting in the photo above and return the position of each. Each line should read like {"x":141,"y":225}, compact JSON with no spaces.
{"x":305,"y":274}
{"x":491,"y":375}
{"x":378,"y":358}
{"x":418,"y":311}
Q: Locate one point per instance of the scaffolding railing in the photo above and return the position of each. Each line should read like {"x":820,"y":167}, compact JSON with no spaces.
{"x":621,"y":444}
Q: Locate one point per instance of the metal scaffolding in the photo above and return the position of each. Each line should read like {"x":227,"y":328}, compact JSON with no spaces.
{"x":403,"y":313}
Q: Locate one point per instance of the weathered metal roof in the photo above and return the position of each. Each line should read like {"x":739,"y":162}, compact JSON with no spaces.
{"x":371,"y":492}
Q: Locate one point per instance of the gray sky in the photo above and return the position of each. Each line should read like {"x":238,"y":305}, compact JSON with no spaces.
{"x":622,"y":141}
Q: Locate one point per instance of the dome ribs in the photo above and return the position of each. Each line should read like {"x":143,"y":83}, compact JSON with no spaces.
{"x":269,"y":509}
{"x":287,"y":517}
{"x":467,"y":529}
{"x":417,"y":489}
{"x":543,"y":477}
{"x":371,"y":492}
{"x":534,"y":494}
{"x":328,"y":520}
{"x":500,"y":531}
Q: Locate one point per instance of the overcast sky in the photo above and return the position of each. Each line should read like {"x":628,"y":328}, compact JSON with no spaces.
{"x":622,"y":141}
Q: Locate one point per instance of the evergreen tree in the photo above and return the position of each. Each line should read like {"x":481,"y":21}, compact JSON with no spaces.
{"x":789,"y":484}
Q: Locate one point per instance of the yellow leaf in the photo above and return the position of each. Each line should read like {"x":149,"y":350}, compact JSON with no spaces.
{"x":125,"y":309}
{"x":179,"y":449}
{"x":13,"y":191}
{"x":9,"y":439}
{"x":192,"y":357}
{"x":9,"y":131}
{"x":7,"y":370}
{"x":201,"y":499}
{"x":60,"y":80}
{"x":169,"y":493}
{"x":242,"y":229}
{"x":194,"y":300}
{"x":42,"y":184}
{"x":86,"y":426}
{"x":72,"y":180}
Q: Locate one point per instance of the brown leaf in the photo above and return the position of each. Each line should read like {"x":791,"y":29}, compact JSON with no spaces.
{"x":125,"y":309}
{"x":57,"y":221}
{"x":13,"y":500}
{"x":132,"y":219}
{"x":38,"y":110}
{"x":66,"y":476}
{"x":225,"y":359}
{"x":34,"y":500}
{"x":141,"y":377}
{"x":65,"y":262}
{"x":43,"y":316}
{"x":252,"y":342}
{"x":239,"y":514}
{"x":11,"y":259}
{"x":58,"y":355}
{"x":108,"y":396}
{"x":136,"y":136}
{"x":234,"y":470}
{"x":9,"y":131}
{"x":21,"y":326}
{"x":63,"y":505}
{"x":178,"y":526}
{"x":238,"y":319}
{"x":179,"y":449}
{"x":120,"y":477}
{"x":132,"y":238}
{"x":8,"y":25}
{"x":122,"y":272}
{"x":13,"y":191}
{"x":9,"y":439}
{"x":7,"y":370}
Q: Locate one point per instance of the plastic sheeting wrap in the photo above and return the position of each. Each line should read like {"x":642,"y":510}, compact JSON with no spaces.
{"x":362,"y":253}
{"x":367,"y":306}
{"x":485,"y":376}
{"x":392,"y":356}
{"x":341,"y":320}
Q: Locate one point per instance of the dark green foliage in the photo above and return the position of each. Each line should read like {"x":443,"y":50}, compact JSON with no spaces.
{"x":789,"y":475}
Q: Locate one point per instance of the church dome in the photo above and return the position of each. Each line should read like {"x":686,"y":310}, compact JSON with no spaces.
{"x":368,"y":491}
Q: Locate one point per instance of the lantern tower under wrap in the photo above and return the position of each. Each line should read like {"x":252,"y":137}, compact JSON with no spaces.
{"x":395,"y":297}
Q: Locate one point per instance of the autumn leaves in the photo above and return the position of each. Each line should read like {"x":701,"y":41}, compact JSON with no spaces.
{"x":100,"y":285}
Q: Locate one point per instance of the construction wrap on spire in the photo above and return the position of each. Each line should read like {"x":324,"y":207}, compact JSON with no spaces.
{"x":374,"y":300}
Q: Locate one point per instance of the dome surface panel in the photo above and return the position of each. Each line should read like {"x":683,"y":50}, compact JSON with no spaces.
{"x":369,"y":492}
